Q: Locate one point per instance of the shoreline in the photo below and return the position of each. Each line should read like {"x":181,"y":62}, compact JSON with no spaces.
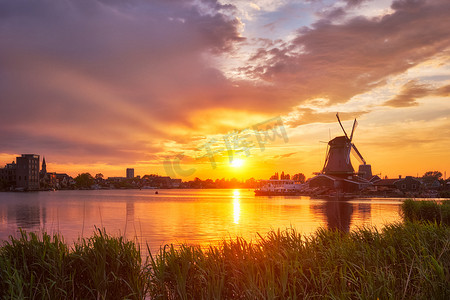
{"x":322,"y":197}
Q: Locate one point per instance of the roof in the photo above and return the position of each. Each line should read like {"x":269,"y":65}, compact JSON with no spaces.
{"x":386,"y":182}
{"x":374,"y":178}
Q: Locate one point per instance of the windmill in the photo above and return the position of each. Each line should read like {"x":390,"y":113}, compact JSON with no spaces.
{"x":337,"y":160}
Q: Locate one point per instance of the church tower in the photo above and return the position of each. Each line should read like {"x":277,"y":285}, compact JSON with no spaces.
{"x":44,"y":167}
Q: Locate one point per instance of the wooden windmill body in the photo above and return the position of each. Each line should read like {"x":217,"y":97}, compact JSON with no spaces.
{"x":337,"y":162}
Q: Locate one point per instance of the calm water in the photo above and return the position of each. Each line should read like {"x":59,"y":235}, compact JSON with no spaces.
{"x":176,"y":216}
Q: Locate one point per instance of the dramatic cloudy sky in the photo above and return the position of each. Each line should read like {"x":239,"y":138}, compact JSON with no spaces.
{"x":98,"y":86}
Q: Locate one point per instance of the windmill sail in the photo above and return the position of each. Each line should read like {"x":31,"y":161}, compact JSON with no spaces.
{"x":339,"y":120}
{"x":358,"y":155}
{"x":353,"y":129}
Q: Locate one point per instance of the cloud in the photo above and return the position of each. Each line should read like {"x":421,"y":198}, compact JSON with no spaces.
{"x":112,"y":80}
{"x":443,"y":91}
{"x":97,"y":73}
{"x":334,"y":12}
{"x":408,"y":95}
{"x":339,"y":61}
{"x":284,"y":155}
{"x":303,"y":116}
{"x":414,"y":90}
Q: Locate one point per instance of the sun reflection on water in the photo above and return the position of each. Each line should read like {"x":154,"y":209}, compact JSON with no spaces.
{"x":236,"y":206}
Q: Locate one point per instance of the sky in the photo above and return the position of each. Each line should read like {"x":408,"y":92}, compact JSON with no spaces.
{"x":222,"y":89}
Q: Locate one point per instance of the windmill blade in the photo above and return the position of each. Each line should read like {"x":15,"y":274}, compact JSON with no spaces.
{"x":339,"y":120}
{"x":358,"y":155}
{"x":353,"y":129}
{"x":326,"y":159}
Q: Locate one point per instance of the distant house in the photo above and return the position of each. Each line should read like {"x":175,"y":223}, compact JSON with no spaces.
{"x":408,"y":184}
{"x":8,"y":175}
{"x":116,"y":179}
{"x":374,"y":178}
{"x":176,"y":183}
{"x":385,"y":184}
{"x":432,"y":185}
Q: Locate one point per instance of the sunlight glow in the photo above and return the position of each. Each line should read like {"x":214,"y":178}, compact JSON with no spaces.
{"x":237,"y":163}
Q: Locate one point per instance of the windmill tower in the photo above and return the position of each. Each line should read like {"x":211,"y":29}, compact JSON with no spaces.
{"x":337,"y":160}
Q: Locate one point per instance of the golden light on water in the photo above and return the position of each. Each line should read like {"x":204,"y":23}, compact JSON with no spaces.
{"x":236,"y":206}
{"x":194,"y":216}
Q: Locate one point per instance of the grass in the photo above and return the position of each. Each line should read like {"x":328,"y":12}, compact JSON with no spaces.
{"x":43,"y":267}
{"x":403,"y":261}
{"x":408,"y":260}
{"x":426,"y":211}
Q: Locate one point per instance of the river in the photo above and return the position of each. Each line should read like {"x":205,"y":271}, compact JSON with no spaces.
{"x":176,"y":216}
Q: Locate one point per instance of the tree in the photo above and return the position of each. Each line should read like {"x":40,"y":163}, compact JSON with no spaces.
{"x":300,"y":177}
{"x":435,"y":175}
{"x":84,"y":180}
{"x":431,"y":176}
{"x":275,"y":176}
{"x":98,"y":178}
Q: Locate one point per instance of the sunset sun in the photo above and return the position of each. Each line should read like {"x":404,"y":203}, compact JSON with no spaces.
{"x":237,"y":163}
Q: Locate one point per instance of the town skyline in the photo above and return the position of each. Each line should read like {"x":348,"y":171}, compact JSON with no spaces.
{"x":158,"y":86}
{"x":129,"y":173}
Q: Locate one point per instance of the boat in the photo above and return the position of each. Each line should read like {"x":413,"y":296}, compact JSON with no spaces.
{"x":283,"y":187}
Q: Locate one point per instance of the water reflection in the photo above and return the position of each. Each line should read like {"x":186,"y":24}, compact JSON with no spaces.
{"x":236,"y":206}
{"x":339,"y":213}
{"x":29,"y":216}
{"x":129,"y":219}
{"x":177,"y":216}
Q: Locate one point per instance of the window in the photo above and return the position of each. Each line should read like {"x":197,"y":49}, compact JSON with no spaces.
{"x":414,"y":186}
{"x":403,"y":186}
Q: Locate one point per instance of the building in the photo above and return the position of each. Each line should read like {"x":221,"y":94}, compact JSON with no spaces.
{"x":401,"y":186}
{"x":27,"y":172}
{"x":8,"y":176}
{"x":347,"y":184}
{"x":130,"y":173}
{"x":408,"y":184}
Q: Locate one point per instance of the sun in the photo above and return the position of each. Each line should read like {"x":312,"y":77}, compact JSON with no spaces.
{"x":237,"y":163}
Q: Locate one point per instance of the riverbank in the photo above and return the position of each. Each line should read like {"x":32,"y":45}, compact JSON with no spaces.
{"x":402,"y":261}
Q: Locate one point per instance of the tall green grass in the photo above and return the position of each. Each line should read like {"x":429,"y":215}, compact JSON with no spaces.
{"x":401,"y":261}
{"x":427,"y":211}
{"x":409,"y":261}
{"x":33,"y":267}
{"x":43,"y":267}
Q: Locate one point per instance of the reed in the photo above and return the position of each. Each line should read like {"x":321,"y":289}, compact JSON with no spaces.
{"x":426,"y":211}
{"x":36,"y":266}
{"x":403,"y":261}
{"x":105,"y":267}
